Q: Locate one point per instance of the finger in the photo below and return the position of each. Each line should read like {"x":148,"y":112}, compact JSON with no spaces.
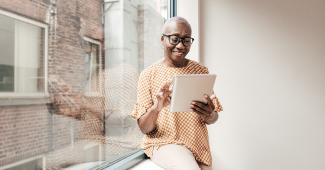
{"x":159,"y":95}
{"x":165,"y":94}
{"x":163,"y":88}
{"x":201,"y":105}
{"x":165,"y":91}
{"x":166,"y":85}
{"x":210,"y":103}
{"x":171,"y":85}
{"x":168,"y":93}
{"x":198,"y":110}
{"x":213,"y":96}
{"x":168,"y":100}
{"x":170,"y":90}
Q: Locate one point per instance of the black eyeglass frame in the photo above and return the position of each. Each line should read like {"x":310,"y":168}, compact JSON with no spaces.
{"x":179,"y":39}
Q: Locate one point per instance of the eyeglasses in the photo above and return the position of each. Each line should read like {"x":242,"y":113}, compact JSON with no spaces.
{"x":174,"y":40}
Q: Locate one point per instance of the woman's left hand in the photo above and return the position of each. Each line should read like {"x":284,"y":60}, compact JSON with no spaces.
{"x":203,"y":109}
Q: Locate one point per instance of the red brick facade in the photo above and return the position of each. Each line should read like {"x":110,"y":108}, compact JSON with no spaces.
{"x":24,"y":132}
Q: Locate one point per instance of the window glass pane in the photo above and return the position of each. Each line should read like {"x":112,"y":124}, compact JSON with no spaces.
{"x":28,"y":54}
{"x":21,"y":62}
{"x":7,"y":47}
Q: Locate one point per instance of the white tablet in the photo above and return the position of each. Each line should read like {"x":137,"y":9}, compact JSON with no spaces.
{"x":187,"y":88}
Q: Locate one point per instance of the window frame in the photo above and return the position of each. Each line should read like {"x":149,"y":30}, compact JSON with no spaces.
{"x":124,"y":162}
{"x":172,"y":8}
{"x":43,"y":26}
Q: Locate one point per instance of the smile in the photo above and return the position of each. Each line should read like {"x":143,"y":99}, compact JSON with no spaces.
{"x":178,"y":52}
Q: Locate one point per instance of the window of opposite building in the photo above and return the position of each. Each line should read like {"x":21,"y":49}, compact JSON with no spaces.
{"x":23,"y":56}
{"x":93,"y":67}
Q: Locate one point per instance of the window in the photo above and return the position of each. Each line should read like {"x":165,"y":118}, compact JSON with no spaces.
{"x":22,"y":61}
{"x":93,"y":66}
{"x":90,"y":79}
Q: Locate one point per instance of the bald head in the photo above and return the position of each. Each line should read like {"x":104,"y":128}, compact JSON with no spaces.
{"x":174,"y":21}
{"x":176,"y":40}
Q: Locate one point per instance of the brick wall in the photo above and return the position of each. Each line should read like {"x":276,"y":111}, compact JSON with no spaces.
{"x":34,"y":9}
{"x":30,"y":130}
{"x":24,"y":132}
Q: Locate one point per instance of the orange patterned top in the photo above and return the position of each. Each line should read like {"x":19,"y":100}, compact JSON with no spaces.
{"x":185,"y":128}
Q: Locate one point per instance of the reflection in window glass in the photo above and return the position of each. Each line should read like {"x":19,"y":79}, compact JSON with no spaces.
{"x":96,"y":50}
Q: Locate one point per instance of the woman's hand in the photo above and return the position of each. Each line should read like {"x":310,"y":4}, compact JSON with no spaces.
{"x":163,"y":97}
{"x":147,"y":122}
{"x":205,"y":110}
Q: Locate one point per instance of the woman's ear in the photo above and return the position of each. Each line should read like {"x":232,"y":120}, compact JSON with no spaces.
{"x":162,"y":40}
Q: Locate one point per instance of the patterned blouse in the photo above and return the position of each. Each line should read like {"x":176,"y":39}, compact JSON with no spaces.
{"x":185,"y":128}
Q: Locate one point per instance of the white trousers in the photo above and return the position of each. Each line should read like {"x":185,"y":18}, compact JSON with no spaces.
{"x":176,"y":157}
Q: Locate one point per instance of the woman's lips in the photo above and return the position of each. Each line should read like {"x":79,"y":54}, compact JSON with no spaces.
{"x":178,"y":53}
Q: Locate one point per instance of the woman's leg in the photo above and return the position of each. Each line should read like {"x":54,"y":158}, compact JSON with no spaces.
{"x":174,"y":157}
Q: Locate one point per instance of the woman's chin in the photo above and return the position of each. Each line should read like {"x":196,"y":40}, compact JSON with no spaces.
{"x":178,"y":58}
{"x":179,"y":61}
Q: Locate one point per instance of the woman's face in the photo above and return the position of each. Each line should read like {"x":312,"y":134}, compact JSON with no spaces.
{"x":177,"y":52}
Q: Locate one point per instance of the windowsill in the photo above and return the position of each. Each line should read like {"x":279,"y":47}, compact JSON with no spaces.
{"x":23,"y":99}
{"x":124,"y":162}
{"x":135,"y":161}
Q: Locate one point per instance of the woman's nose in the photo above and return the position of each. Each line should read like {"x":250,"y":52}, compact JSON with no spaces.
{"x":180,"y":45}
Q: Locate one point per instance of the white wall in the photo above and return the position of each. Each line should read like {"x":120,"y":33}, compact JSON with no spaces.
{"x":189,"y":9}
{"x":270,"y":58}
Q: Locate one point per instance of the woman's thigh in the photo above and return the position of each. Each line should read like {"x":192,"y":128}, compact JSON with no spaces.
{"x":174,"y":157}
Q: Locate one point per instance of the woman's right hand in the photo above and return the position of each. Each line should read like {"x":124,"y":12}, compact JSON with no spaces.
{"x":163,"y":97}
{"x":148,"y":121}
